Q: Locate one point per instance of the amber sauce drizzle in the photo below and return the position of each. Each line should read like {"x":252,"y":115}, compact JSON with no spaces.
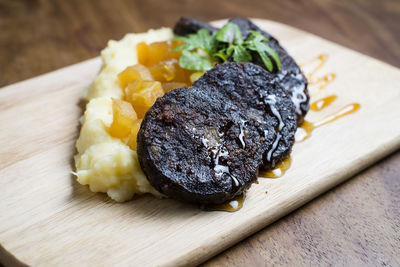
{"x":304,"y":130}
{"x":324,"y":80}
{"x":322,"y":103}
{"x":278,"y":171}
{"x":231,"y":205}
{"x":320,"y":60}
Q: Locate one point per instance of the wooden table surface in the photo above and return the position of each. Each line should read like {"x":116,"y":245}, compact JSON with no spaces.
{"x":356,"y":223}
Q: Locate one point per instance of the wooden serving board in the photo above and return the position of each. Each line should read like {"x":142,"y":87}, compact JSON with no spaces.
{"x":47,"y":218}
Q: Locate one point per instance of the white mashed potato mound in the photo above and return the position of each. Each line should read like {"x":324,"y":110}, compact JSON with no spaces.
{"x":103,"y":162}
{"x":117,"y":56}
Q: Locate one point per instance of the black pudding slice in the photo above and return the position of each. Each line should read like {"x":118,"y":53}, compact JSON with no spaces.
{"x":195,"y":145}
{"x":290,"y":75}
{"x":266,"y":104}
{"x":204,"y":144}
{"x":188,"y":25}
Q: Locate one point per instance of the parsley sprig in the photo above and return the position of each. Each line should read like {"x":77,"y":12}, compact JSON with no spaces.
{"x":201,"y":51}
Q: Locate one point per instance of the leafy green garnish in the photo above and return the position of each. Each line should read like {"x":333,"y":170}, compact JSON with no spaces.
{"x":194,"y":61}
{"x":196,"y":75}
{"x":230,"y":33}
{"x":201,"y":40}
{"x":257,"y":42}
{"x":256,"y":37}
{"x":241,"y":54}
{"x":203,"y":50}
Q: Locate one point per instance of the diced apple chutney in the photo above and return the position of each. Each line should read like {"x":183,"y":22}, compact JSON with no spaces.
{"x":156,"y":73}
{"x":150,"y":54}
{"x":133,"y":73}
{"x":142,"y":95}
{"x":123,"y":118}
{"x":133,"y":135}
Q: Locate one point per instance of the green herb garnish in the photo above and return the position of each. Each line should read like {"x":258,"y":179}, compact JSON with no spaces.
{"x":203,"y":50}
{"x":194,"y":61}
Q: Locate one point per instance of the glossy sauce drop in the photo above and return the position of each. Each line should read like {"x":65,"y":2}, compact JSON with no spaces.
{"x":316,"y":64}
{"x":304,"y":131}
{"x":278,"y":171}
{"x":230,"y":206}
{"x":322,"y":103}
{"x":324,"y":81}
{"x":320,"y":60}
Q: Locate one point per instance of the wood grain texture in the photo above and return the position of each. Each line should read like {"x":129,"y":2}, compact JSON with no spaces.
{"x":55,"y":214}
{"x":355,"y":224}
{"x":40,"y":36}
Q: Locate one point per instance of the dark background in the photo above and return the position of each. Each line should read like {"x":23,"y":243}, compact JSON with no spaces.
{"x":356,"y":223}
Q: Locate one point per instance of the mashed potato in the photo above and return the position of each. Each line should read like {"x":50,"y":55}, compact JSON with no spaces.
{"x":103,"y":162}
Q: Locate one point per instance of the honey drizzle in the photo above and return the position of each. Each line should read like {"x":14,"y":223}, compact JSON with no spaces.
{"x":321,"y":59}
{"x":232,"y":205}
{"x":304,"y":131}
{"x":325,"y":80}
{"x":278,"y":171}
{"x":322,"y":103}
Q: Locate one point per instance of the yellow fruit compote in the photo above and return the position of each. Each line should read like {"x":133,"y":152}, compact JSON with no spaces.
{"x":156,"y":73}
{"x":135,"y":72}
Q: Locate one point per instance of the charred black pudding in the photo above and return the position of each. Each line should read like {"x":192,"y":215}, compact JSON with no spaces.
{"x":204,"y":144}
{"x":263,"y":100}
{"x":289,"y":76}
{"x":189,"y":146}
